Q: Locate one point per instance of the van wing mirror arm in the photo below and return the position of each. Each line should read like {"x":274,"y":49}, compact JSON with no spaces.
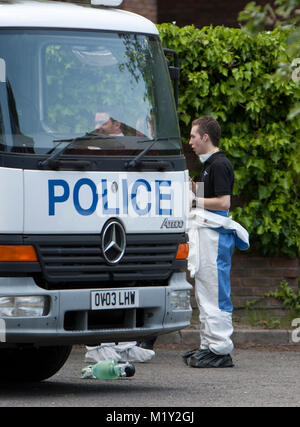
{"x":174,"y":71}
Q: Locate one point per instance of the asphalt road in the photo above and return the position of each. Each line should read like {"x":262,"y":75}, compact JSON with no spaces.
{"x":259,"y":378}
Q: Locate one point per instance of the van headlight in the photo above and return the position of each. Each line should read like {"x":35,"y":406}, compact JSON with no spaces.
{"x":180,"y":300}
{"x":24,"y":306}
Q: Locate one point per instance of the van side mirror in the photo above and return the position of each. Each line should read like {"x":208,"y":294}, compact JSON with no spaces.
{"x":174,"y":70}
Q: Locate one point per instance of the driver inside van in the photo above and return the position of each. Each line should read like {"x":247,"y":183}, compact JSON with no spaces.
{"x":107,"y":125}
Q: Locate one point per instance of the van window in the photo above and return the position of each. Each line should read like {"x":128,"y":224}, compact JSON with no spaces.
{"x":68,"y":84}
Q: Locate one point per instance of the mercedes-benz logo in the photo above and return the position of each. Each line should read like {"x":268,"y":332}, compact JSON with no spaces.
{"x":113,"y":242}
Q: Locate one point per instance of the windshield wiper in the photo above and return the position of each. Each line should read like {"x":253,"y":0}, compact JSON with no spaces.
{"x":52,"y":160}
{"x":137,"y":160}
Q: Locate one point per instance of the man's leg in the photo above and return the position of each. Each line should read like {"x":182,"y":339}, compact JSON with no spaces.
{"x":212,"y":290}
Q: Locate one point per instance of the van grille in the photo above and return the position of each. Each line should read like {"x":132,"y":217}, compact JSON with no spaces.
{"x":78,"y":259}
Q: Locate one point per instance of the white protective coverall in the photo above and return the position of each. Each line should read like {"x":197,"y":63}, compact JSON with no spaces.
{"x":212,"y":238}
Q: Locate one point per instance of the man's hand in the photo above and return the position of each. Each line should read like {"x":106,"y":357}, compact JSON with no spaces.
{"x":192,"y":197}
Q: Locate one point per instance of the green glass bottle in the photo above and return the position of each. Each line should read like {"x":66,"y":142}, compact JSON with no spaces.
{"x":108,"y":370}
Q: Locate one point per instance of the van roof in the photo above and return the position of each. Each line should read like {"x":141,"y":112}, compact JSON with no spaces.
{"x":50,"y":14}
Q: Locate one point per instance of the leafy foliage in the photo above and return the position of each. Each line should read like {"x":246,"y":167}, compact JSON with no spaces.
{"x":231,"y":75}
{"x":289,"y":297}
{"x":279,"y":14}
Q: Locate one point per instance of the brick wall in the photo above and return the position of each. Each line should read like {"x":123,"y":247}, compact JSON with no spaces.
{"x":201,"y":12}
{"x":146,"y":8}
{"x":253,"y":276}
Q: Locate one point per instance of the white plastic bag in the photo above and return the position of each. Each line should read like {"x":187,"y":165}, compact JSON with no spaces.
{"x":102,"y":352}
{"x":123,"y":352}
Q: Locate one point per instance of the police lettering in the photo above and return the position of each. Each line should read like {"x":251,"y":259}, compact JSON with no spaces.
{"x":59,"y":192}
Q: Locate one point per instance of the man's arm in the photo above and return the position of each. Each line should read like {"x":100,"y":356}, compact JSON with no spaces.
{"x":220,"y":203}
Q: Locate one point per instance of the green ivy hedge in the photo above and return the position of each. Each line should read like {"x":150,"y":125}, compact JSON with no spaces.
{"x":232,"y":76}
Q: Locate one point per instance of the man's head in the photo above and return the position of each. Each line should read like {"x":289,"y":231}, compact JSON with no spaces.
{"x":205,"y":135}
{"x":106,"y":124}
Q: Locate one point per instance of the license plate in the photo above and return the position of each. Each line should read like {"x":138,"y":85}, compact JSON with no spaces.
{"x":116,"y":298}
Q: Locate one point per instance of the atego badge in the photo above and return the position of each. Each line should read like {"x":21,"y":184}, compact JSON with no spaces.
{"x":171,"y":223}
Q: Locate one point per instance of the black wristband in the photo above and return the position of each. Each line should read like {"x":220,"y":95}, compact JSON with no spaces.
{"x":194,"y":203}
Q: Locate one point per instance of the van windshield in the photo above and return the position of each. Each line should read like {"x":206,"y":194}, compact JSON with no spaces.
{"x":60,"y":85}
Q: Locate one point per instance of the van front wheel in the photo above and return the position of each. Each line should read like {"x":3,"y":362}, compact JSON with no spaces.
{"x":32,"y":363}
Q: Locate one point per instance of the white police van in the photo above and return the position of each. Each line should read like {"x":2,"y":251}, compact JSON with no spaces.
{"x":93,"y":241}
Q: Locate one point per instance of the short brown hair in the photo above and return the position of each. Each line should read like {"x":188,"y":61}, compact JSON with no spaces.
{"x":207,"y":124}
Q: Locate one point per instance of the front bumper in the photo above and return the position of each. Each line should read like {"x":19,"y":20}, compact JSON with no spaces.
{"x":70,"y":319}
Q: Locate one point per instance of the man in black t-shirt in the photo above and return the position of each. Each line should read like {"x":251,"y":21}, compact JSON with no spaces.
{"x":212,"y":280}
{"x":217,"y":175}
